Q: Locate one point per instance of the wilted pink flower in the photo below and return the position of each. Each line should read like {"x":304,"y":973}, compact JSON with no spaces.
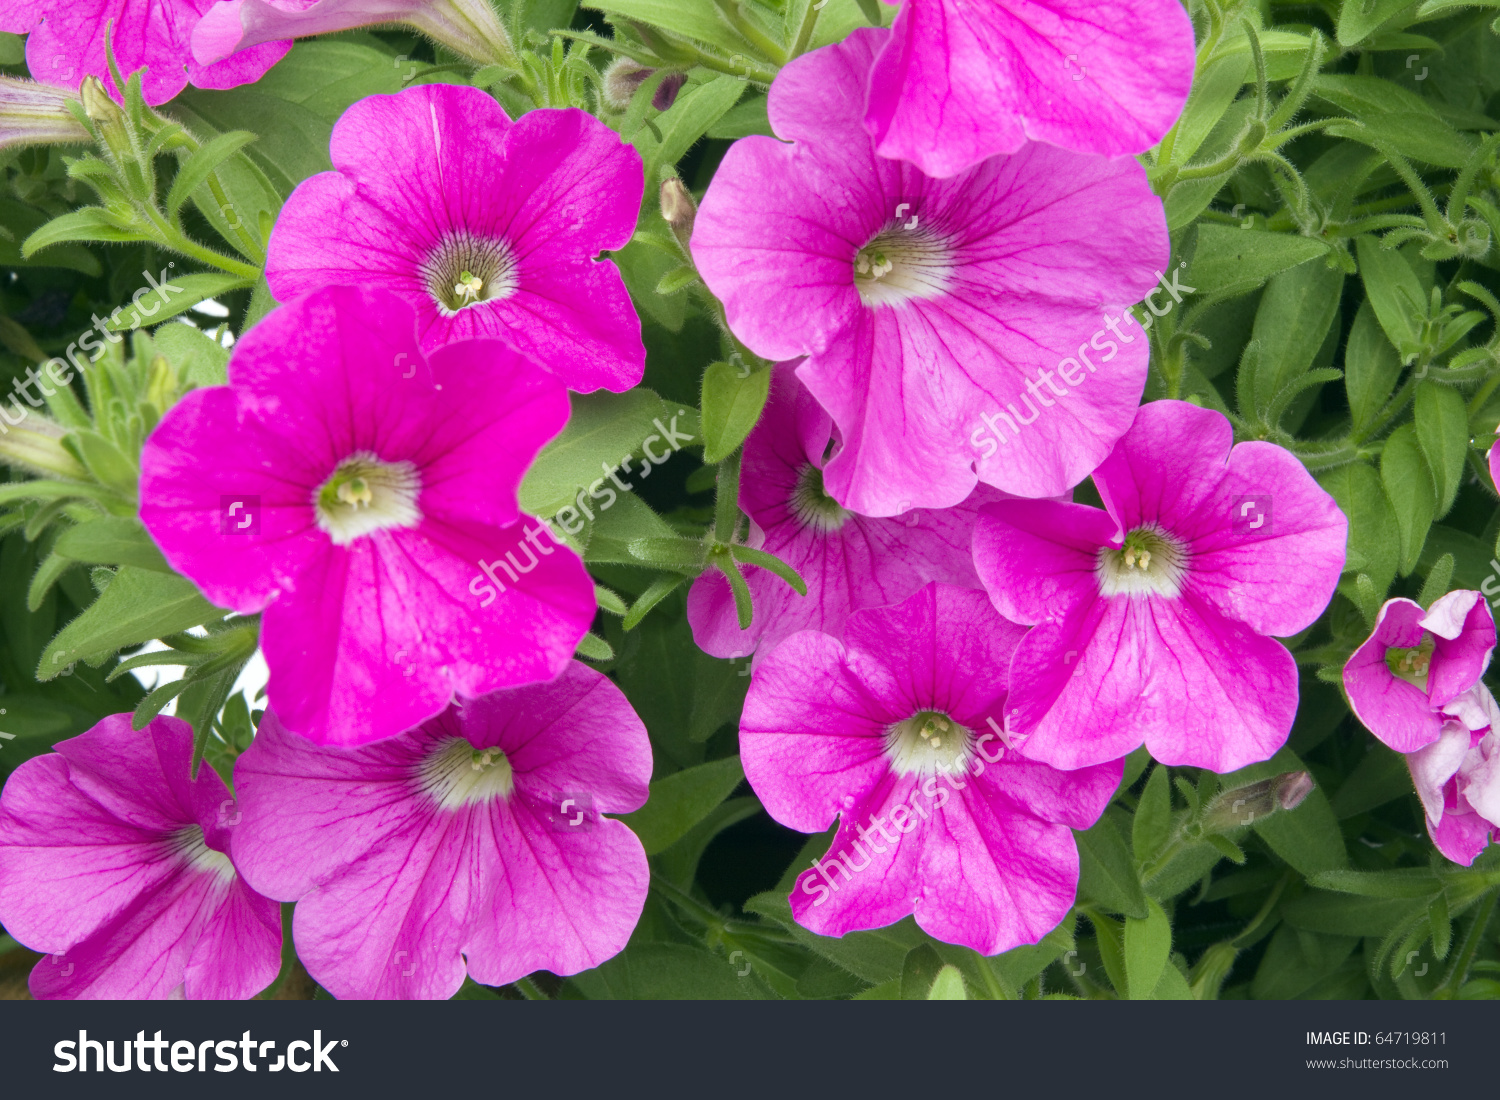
{"x":958,"y":81}
{"x":65,"y":43}
{"x":848,"y":561}
{"x":488,"y":228}
{"x":1458,"y":780}
{"x":894,"y":732}
{"x":467,"y":27}
{"x":114,"y":862}
{"x":353,"y":489}
{"x":933,"y":312}
{"x":1157,"y":616}
{"x":475,"y":842}
{"x":1417,"y":668}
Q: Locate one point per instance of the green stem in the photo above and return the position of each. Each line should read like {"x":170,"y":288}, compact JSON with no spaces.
{"x":252,"y":247}
{"x":805,"y":32}
{"x":1458,"y":973}
{"x":727,"y":499}
{"x":746,"y":28}
{"x":171,"y":237}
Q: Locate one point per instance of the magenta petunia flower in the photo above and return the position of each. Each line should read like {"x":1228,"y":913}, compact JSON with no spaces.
{"x":65,"y":43}
{"x":958,"y":81}
{"x":1457,"y":778}
{"x":364,"y":497}
{"x":474,"y":843}
{"x":848,"y":561}
{"x":488,"y":227}
{"x":470,"y":28}
{"x":895,"y":732}
{"x":1157,"y":616}
{"x":115,"y":863}
{"x":1417,"y":668}
{"x":979,"y":320}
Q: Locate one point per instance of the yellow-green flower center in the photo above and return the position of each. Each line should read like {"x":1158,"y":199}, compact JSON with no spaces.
{"x":811,"y":504}
{"x":927,"y":743}
{"x":365,"y":494}
{"x":1412,"y":664}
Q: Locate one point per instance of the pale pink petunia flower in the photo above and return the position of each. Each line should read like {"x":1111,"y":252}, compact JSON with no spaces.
{"x":65,"y":43}
{"x":487,"y":227}
{"x":962,"y":80}
{"x":475,"y":844}
{"x":1417,"y":668}
{"x":894,"y":732}
{"x":958,"y":330}
{"x":1157,"y":616}
{"x":363,"y":496}
{"x":114,"y":861}
{"x":1457,"y":777}
{"x":848,"y":561}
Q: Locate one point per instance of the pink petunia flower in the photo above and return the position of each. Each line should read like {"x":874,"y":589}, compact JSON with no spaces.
{"x":1457,"y":778}
{"x":935,"y":314}
{"x":65,"y":43}
{"x":469,"y":28}
{"x":488,"y":227}
{"x":474,"y":843}
{"x":114,"y":862}
{"x":1417,"y":668}
{"x":959,"y":80}
{"x":894,"y":732}
{"x":363,"y":496}
{"x":848,"y":561}
{"x":1157,"y":616}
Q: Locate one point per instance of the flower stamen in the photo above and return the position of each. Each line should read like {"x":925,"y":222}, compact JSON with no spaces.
{"x":1150,"y":563}
{"x":366,"y":494}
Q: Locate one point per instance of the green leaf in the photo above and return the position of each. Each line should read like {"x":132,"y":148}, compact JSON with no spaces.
{"x":948,"y":986}
{"x":876,"y":957}
{"x":1148,"y":945}
{"x":1394,"y":292}
{"x":732,"y":403}
{"x":1374,"y":546}
{"x":595,"y":648}
{"x":689,"y":18}
{"x":670,"y":972}
{"x":177,"y":296}
{"x":138,"y":605}
{"x":603,"y":430}
{"x":105,"y":461}
{"x":1227,"y":262}
{"x":1380,"y":777}
{"x":919,"y":971}
{"x":1409,"y":484}
{"x":1296,"y":313}
{"x":195,"y":170}
{"x":1443,"y":432}
{"x":327,"y":76}
{"x":92,"y":223}
{"x":681,"y":800}
{"x":1371,"y":368}
{"x":1106,"y":874}
{"x":1214,"y":89}
{"x":200,"y":360}
{"x":1153,"y":817}
{"x":747,"y":117}
{"x":688,"y":119}
{"x":1308,"y":838}
{"x":1295,"y":961}
{"x":1394,"y":116}
{"x":1358,"y":19}
{"x":111,"y":540}
{"x":1412,"y":882}
{"x":21,"y":221}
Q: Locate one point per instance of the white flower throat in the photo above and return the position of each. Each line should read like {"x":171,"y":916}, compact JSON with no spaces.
{"x":1150,"y":563}
{"x":901,"y":264}
{"x":465,"y":270}
{"x":365,"y":495}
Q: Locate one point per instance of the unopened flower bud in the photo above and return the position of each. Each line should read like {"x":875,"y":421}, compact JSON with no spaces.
{"x":624,"y":78}
{"x":1246,"y":805}
{"x":35,"y":114}
{"x":35,"y":445}
{"x":1292,"y":788}
{"x":97,"y":104}
{"x":678,"y":209}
